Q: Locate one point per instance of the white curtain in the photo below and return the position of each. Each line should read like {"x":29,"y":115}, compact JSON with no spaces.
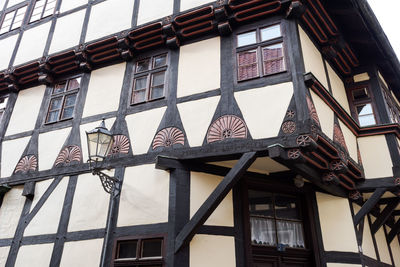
{"x":289,"y":233}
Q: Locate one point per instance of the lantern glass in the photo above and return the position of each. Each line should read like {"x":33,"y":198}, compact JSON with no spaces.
{"x":100,"y":141}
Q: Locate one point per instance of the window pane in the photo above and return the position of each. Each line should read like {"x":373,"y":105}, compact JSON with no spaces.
{"x":262,"y":231}
{"x":290,"y":234}
{"x":5,"y":27}
{"x":270,"y":32}
{"x":53,"y":116}
{"x":286,"y":207}
{"x":273,"y":60}
{"x":140,"y":83}
{"x":127,"y":249}
{"x":70,"y":100}
{"x":59,"y":88}
{"x":157,"y":92}
{"x":360,"y":94}
{"x":51,"y":4}
{"x":158,"y":79}
{"x":74,"y":84}
{"x":246,"y":38}
{"x":367,"y":120}
{"x":19,"y":18}
{"x":160,"y":61}
{"x":260,"y":203}
{"x":143,"y":65}
{"x":151,"y":248}
{"x":138,"y":96}
{"x":55,"y":103}
{"x":365,"y":109}
{"x":67,"y":113}
{"x":248,"y":67}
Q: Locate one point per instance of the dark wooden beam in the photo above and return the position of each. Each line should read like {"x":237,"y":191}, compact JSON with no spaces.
{"x":396,"y":213}
{"x":395,"y":230}
{"x":368,"y":205}
{"x":212,"y":202}
{"x":384,"y":215}
{"x":369,"y":185}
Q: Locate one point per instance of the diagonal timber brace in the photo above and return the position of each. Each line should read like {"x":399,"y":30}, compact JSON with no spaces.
{"x":395,"y":230}
{"x":212,"y":202}
{"x":384,"y":215}
{"x":369,"y":205}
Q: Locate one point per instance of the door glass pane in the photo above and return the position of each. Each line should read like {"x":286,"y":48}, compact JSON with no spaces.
{"x":151,"y":248}
{"x":127,"y":249}
{"x":270,"y":32}
{"x":286,"y":207}
{"x":262,"y":231}
{"x":260,"y":203}
{"x":246,"y":38}
{"x":290,"y":233}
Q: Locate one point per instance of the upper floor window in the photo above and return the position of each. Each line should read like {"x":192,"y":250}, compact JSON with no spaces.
{"x":63,"y":99}
{"x":393,"y":108}
{"x":139,"y":252}
{"x":3,"y":105}
{"x":362,"y":106}
{"x":149,"y":79}
{"x":12,"y":19}
{"x":260,"y":53}
{"x":43,"y":8}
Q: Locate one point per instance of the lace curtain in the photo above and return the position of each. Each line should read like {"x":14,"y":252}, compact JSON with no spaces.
{"x":289,"y":233}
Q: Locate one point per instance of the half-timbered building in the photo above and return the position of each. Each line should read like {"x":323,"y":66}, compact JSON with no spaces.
{"x":243,"y":133}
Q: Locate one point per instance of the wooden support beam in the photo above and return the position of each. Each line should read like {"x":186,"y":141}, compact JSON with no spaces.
{"x":396,"y":213}
{"x":395,"y":230}
{"x":368,"y":205}
{"x":212,"y":202}
{"x":369,"y":185}
{"x":384,"y":215}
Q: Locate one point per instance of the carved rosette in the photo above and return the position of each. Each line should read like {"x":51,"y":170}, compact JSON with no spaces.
{"x":288,"y":127}
{"x":68,"y":155}
{"x":355,"y":195}
{"x":330,"y":178}
{"x":26,"y":163}
{"x":120,"y":145}
{"x":303,"y":140}
{"x":397,"y":182}
{"x":313,"y":111}
{"x":168,"y":137}
{"x":227,"y":127}
{"x":337,"y":165}
{"x":290,"y":114}
{"x":294,"y":153}
{"x":338,"y":136}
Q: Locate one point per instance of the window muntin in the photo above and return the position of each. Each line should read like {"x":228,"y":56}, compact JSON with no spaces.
{"x":42,"y":9}
{"x":275,"y":219}
{"x":149,"y":79}
{"x":12,"y":19}
{"x":3,"y":105}
{"x":140,"y":252}
{"x":261,"y":47}
{"x":63,"y":100}
{"x":362,"y":105}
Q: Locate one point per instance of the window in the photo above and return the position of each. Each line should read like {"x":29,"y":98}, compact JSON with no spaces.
{"x":393,"y":108}
{"x":12,"y":19}
{"x":3,"y":105}
{"x":362,"y":107}
{"x":260,"y":53}
{"x":43,"y":8}
{"x":149,"y":79}
{"x":139,"y":252}
{"x":63,"y":99}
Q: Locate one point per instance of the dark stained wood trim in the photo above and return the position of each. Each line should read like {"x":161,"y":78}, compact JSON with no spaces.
{"x":368,"y":205}
{"x":212,"y":202}
{"x":395,"y":231}
{"x":342,"y":257}
{"x":384,"y":215}
{"x":369,"y":185}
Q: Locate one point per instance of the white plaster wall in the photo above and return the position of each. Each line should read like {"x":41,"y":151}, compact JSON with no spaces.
{"x":7,"y":46}
{"x":351,"y":140}
{"x":395,"y":247}
{"x":368,"y":243}
{"x":361,"y":77}
{"x":187,"y":4}
{"x":88,"y":127}
{"x":47,"y":219}
{"x":201,"y":186}
{"x":313,"y":61}
{"x":32,"y":43}
{"x":67,"y":32}
{"x":264,"y":108}
{"x":144,"y":196}
{"x":199,"y":68}
{"x":331,"y":208}
{"x":35,"y":255}
{"x":10,"y":211}
{"x":50,"y":145}
{"x":196,"y":117}
{"x":40,"y":188}
{"x":382,"y":246}
{"x":262,"y":165}
{"x":90,"y":204}
{"x":82,"y":253}
{"x":11,"y":153}
{"x":142,"y":128}
{"x":3,"y":254}
{"x":150,"y":10}
{"x":109,"y":17}
{"x":70,"y":4}
{"x":21,"y":120}
{"x":104,"y":90}
{"x":325,"y":115}
{"x":338,"y":88}
{"x":375,"y":164}
{"x":212,"y":251}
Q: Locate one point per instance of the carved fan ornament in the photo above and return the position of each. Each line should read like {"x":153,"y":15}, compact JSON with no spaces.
{"x":68,"y":155}
{"x":312,"y":110}
{"x":288,"y":127}
{"x":226,"y":127}
{"x":120,"y":146}
{"x":338,"y":136}
{"x":27,"y":163}
{"x":168,"y":137}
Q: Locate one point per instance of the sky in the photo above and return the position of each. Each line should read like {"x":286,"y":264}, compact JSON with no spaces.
{"x":387,"y":13}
